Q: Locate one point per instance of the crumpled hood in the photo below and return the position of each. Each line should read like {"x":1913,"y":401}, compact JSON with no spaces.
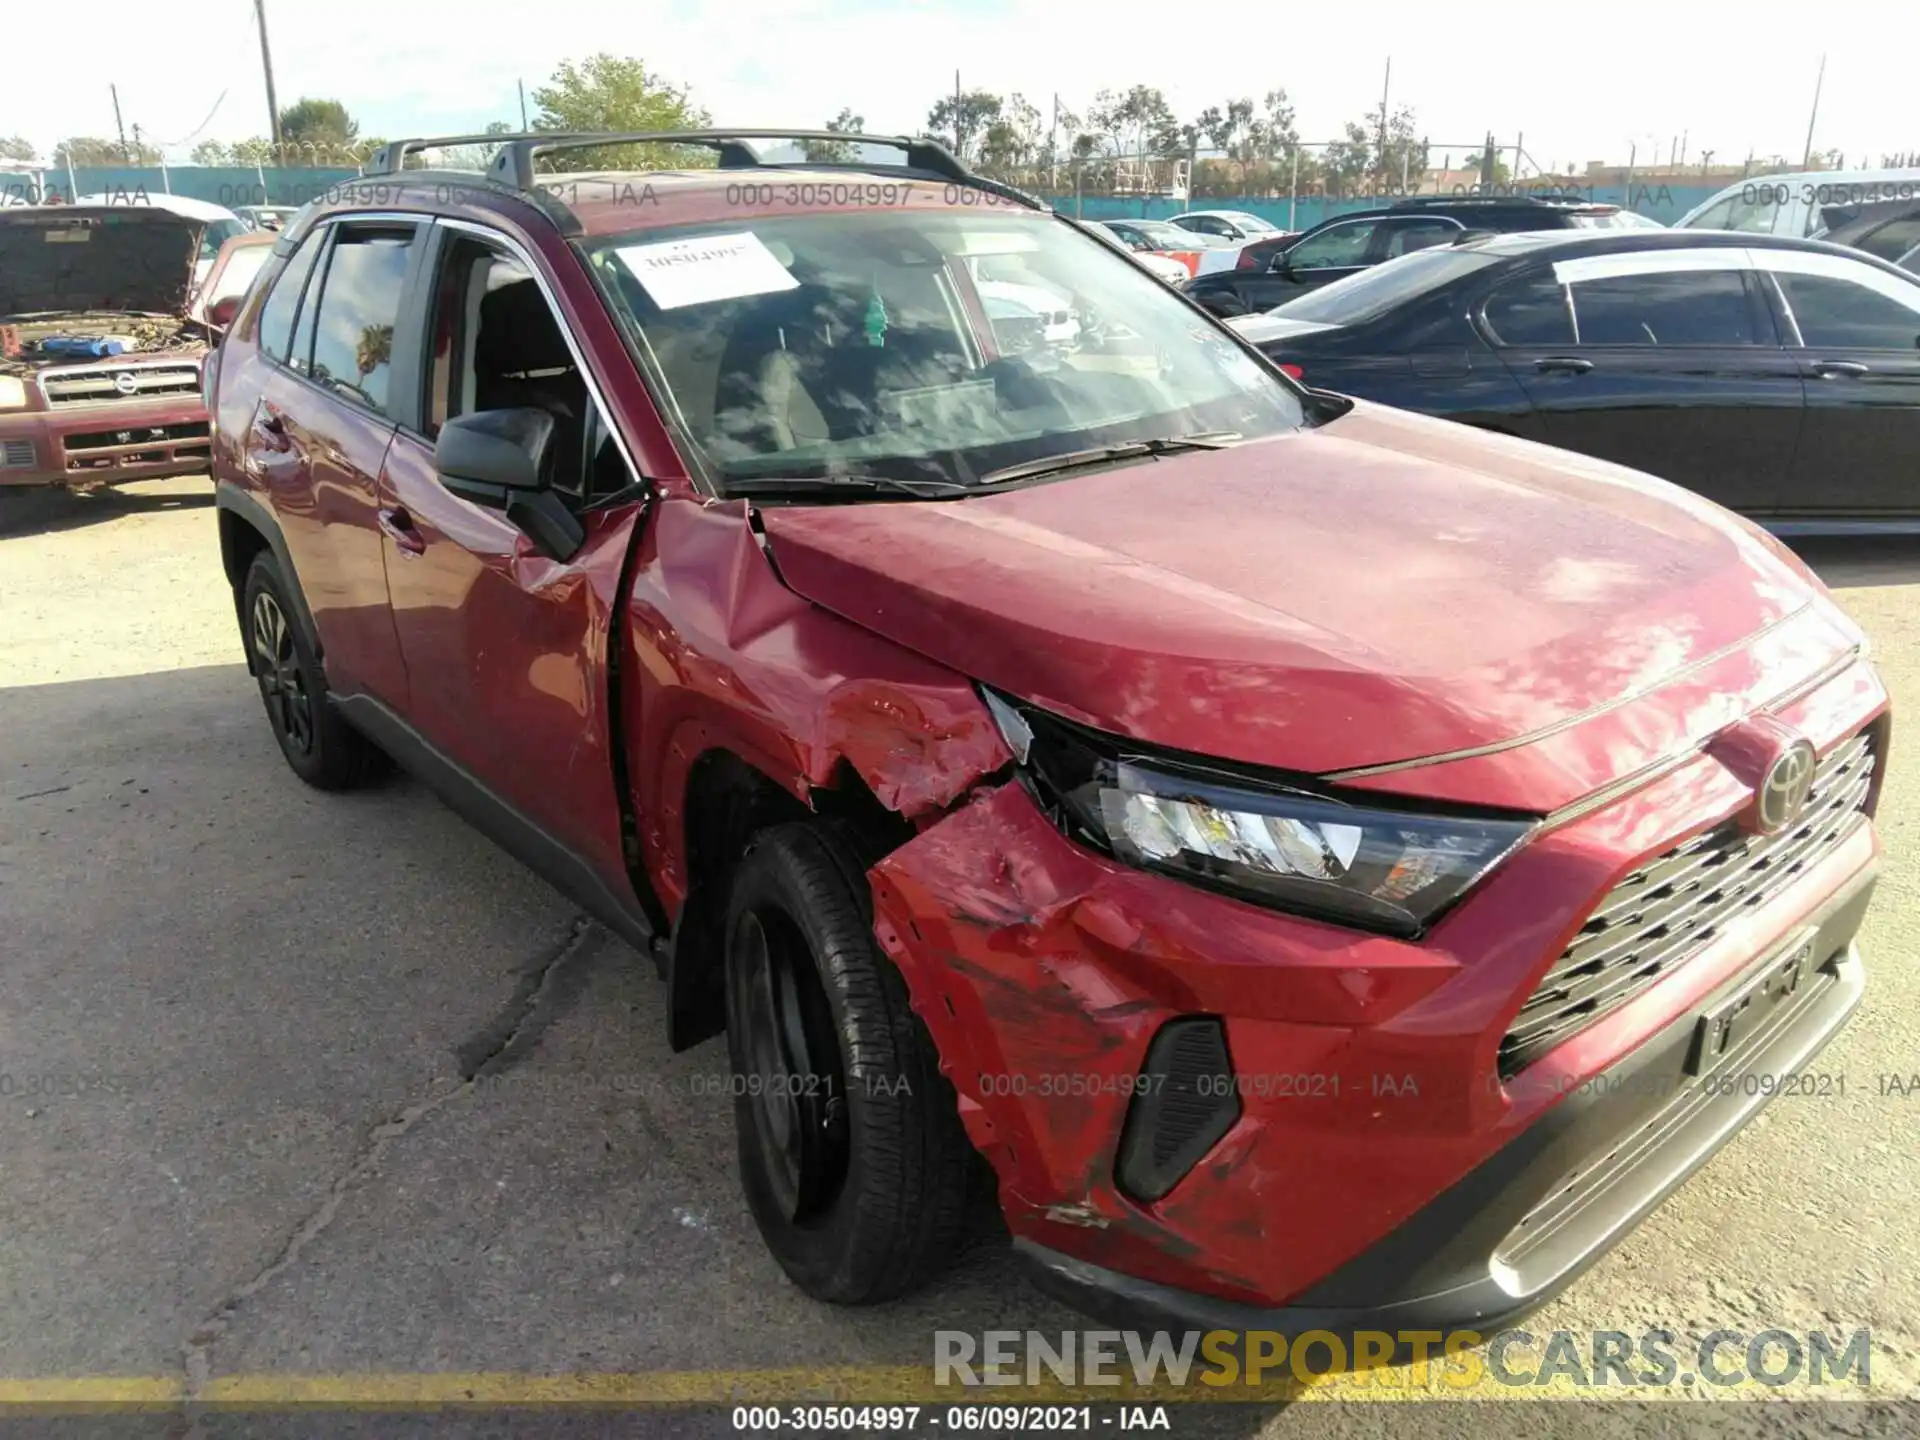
{"x":1383,"y":588}
{"x":72,"y":259}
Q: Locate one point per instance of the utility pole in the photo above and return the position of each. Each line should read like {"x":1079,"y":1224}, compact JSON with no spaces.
{"x":125,"y":154}
{"x":524,"y":128}
{"x":1053,"y":146}
{"x":959,"y":144}
{"x":1385,"y":86}
{"x":266,"y":64}
{"x":1806,"y":157}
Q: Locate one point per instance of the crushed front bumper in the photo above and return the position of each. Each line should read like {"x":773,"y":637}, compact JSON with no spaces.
{"x":1379,"y":1163}
{"x":1524,"y":1224}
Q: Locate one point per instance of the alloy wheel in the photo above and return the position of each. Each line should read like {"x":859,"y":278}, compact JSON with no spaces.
{"x":276,"y":666}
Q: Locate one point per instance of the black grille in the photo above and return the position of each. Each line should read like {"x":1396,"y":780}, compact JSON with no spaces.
{"x":136,"y":435}
{"x":1670,"y":908}
{"x":1187,"y":1101}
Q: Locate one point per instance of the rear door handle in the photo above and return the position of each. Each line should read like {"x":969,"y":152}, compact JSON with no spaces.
{"x":1571,"y":364}
{"x":398,"y":524}
{"x":1838,"y":369}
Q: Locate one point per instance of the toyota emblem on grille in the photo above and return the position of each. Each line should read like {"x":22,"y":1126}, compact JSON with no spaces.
{"x":125,"y":383}
{"x":1783,"y":794}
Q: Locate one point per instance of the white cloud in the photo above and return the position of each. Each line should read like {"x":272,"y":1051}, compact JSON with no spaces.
{"x":1579,"y":81}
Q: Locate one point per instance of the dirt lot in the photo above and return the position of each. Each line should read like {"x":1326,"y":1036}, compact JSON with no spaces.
{"x":261,"y":1164}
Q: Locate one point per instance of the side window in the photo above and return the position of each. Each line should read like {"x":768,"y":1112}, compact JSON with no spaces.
{"x":1893,"y":239}
{"x":1404,"y":236}
{"x":1340,"y":245}
{"x":1846,"y":315}
{"x":275,"y":331}
{"x":495,"y":344}
{"x":1530,"y":311}
{"x":359,"y":306}
{"x":1675,"y":307}
{"x":1715,"y":216}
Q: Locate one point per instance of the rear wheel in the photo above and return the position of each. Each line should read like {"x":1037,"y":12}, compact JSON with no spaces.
{"x":852,"y":1156}
{"x":322,"y":748}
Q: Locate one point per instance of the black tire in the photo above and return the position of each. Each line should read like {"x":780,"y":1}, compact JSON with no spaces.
{"x":862,"y":1191}
{"x":323,"y":749}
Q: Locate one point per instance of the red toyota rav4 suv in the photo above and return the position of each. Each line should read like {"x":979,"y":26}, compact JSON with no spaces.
{"x":1337,"y":868}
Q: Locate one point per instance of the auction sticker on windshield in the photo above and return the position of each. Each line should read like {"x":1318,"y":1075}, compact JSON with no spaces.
{"x":677,"y":273}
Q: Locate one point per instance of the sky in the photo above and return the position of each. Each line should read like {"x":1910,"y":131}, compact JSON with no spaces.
{"x":1578,"y":81}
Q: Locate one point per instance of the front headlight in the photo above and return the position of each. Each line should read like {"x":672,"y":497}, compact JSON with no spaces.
{"x":13,"y":393}
{"x":1383,"y":868}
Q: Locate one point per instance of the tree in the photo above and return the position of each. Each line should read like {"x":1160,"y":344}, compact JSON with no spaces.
{"x":1348,"y":159}
{"x":612,"y":92}
{"x":1016,"y":138}
{"x":964,"y":117}
{"x":209,"y":152}
{"x":318,"y":127}
{"x":257,"y":151}
{"x":833,"y":152}
{"x":1135,"y":123}
{"x":90,"y":150}
{"x":15,"y":147}
{"x":1404,"y":156}
{"x":1496,"y":173}
{"x":1274,"y":132}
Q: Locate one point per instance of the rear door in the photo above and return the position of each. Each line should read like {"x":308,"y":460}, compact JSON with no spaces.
{"x":1667,"y":361}
{"x":319,"y":431}
{"x":1855,"y":333}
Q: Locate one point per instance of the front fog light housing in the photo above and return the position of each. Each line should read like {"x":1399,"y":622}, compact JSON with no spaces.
{"x":1378,"y":868}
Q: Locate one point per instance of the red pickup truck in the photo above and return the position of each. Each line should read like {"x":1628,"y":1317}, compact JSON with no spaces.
{"x":1337,"y":869}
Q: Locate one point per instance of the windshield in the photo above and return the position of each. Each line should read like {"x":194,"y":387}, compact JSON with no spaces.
{"x":218,"y":233}
{"x":916,"y":344}
{"x":1377,"y":290}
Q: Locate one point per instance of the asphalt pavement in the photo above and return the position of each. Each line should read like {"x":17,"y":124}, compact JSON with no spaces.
{"x":313,"y":1095}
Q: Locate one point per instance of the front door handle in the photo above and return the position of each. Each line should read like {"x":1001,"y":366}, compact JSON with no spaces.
{"x":399,"y":527}
{"x":1838,"y":369}
{"x":1570,"y":364}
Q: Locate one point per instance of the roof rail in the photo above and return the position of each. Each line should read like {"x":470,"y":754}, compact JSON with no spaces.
{"x":1544,"y":197}
{"x":514,"y":163}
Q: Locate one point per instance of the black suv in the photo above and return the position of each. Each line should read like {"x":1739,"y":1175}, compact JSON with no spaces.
{"x":1341,"y":245}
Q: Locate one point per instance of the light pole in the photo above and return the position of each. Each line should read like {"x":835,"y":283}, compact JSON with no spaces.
{"x":266,"y":64}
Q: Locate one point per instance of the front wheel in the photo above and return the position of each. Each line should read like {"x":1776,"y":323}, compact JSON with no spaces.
{"x":852,"y":1155}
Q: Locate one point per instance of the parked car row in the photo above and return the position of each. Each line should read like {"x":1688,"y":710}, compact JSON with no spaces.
{"x":1016,"y":752}
{"x":1344,"y":244}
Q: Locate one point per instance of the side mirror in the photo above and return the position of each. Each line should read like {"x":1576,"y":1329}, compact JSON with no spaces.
{"x":224,"y":311}
{"x":499,"y":458}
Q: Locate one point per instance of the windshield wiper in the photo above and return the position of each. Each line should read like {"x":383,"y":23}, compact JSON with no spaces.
{"x":832,"y":485}
{"x":1107,"y":454}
